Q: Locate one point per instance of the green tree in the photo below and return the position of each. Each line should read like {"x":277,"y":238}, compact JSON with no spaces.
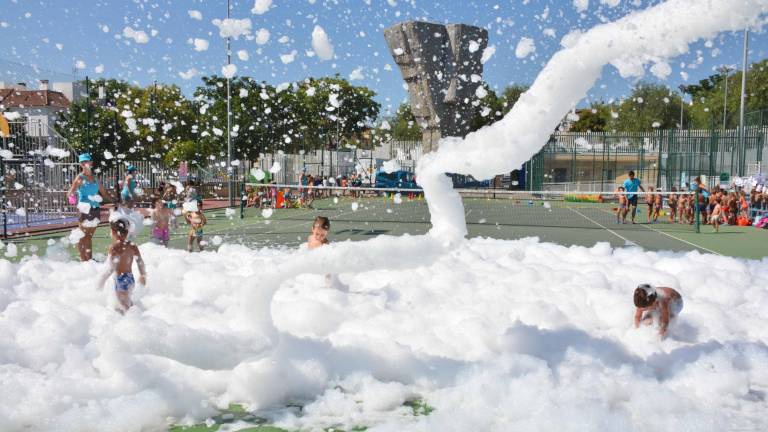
{"x":593,"y":119}
{"x":708,"y":97}
{"x":650,"y":107}
{"x":404,"y":126}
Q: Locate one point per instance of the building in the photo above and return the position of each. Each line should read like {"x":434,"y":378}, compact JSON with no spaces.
{"x":41,"y":107}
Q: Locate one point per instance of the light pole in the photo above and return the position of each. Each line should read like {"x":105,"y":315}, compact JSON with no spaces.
{"x":230,"y":171}
{"x":725,"y":70}
{"x":742,"y":137}
{"x":683,"y":90}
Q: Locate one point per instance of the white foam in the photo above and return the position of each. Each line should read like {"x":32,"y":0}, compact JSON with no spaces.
{"x":485,"y":330}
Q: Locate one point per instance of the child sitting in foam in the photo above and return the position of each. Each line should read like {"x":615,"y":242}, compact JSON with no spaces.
{"x":657,"y":303}
{"x":318,"y":238}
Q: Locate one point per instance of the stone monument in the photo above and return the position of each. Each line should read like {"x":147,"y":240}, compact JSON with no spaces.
{"x":441,"y":64}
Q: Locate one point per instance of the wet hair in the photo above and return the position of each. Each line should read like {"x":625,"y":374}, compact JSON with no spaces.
{"x":120,"y":227}
{"x":644,"y":296}
{"x":323,"y":222}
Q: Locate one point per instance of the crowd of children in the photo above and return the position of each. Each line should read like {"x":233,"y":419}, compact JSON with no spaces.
{"x":716,"y":207}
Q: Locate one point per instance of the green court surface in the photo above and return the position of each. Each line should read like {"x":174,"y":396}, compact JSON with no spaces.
{"x":360,"y":218}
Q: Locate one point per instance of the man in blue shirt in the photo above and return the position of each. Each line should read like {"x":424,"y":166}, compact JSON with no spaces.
{"x":631,"y":185}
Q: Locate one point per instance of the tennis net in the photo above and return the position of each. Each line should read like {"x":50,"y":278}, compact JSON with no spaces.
{"x":368,"y":208}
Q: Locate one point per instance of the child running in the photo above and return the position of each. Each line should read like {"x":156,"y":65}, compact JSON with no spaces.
{"x":654,"y":303}
{"x":196,"y":220}
{"x":161,"y":216}
{"x":120,"y":258}
{"x":621,"y":212}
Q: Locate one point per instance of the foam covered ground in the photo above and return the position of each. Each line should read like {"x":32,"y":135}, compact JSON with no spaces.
{"x":495,"y":335}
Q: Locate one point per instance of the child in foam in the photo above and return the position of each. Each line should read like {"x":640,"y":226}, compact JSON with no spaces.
{"x":161,"y":216}
{"x":196,"y":220}
{"x":319,"y":236}
{"x":120,"y":258}
{"x":657,"y":303}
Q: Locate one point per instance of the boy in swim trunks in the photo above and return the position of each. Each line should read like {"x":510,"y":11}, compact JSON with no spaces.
{"x":120,"y":258}
{"x":161,"y":216}
{"x":196,"y":221}
{"x":660,"y":303}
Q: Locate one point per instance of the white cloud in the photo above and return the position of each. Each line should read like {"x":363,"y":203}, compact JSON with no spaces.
{"x":488,"y":53}
{"x":99,"y":69}
{"x":321,"y":44}
{"x":357,"y":74}
{"x":189,"y":74}
{"x":200,"y":44}
{"x":525,"y":47}
{"x":243,"y":55}
{"x":261,"y":6}
{"x":581,"y":5}
{"x":661,"y":70}
{"x":137,"y":35}
{"x":288,"y":58}
{"x":195,"y":14}
{"x":229,"y":71}
{"x":262,"y":36}
{"x":231,"y":27}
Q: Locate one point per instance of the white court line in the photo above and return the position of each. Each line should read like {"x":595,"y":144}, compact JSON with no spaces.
{"x":681,"y":240}
{"x":675,"y":238}
{"x":602,"y":226}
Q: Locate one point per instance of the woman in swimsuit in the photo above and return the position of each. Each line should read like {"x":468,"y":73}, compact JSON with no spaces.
{"x":90,"y":195}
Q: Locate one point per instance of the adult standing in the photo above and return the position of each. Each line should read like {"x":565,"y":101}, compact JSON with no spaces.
{"x":631,"y":185}
{"x":90,"y":195}
{"x":701,"y":192}
{"x":128,"y":193}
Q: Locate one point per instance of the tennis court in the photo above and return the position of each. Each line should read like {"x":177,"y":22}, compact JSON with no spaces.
{"x":360,"y":215}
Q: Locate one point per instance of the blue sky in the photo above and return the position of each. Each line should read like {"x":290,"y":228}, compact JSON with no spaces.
{"x":55,"y":35}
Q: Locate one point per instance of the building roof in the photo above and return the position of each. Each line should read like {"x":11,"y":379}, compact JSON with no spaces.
{"x":11,"y":98}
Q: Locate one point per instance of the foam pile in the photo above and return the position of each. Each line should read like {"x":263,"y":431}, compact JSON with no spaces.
{"x":493,"y":334}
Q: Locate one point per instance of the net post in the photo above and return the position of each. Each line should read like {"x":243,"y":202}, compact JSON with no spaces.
{"x":243,"y":198}
{"x":697,"y":210}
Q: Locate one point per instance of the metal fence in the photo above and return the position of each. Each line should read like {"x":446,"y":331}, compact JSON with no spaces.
{"x":37,"y":167}
{"x":664,"y":158}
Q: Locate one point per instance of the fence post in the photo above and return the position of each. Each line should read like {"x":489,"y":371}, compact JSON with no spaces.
{"x":2,"y":189}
